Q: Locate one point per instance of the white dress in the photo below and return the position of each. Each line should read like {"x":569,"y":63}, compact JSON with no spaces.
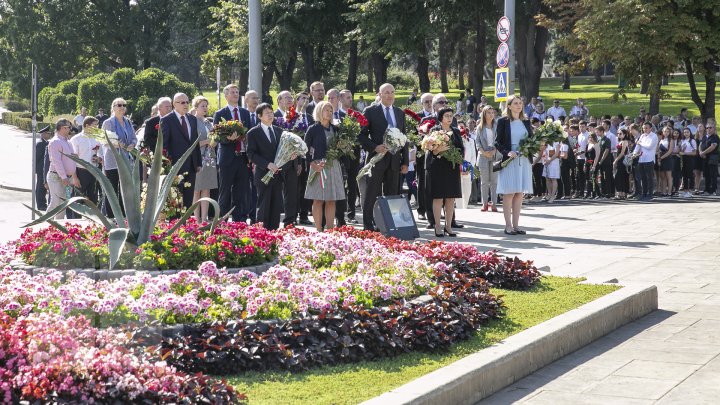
{"x":552,"y":170}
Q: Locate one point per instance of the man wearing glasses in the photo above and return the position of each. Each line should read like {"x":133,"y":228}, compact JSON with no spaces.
{"x":179,"y":132}
{"x":62,"y":170}
{"x":317,"y":91}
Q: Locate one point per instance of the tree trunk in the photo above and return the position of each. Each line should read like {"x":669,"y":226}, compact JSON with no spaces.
{"x":370,"y":85}
{"x":267,"y":76}
{"x":380,"y":66}
{"x":244,"y":79}
{"x":480,"y":45}
{"x":351,"y":83}
{"x":654,"y":91}
{"x":285,"y":75}
{"x":461,"y":67}
{"x":644,"y":84}
{"x":311,"y":73}
{"x":566,"y":80}
{"x":443,"y":56}
{"x":423,"y":66}
{"x":530,"y":46}
{"x":598,"y":74}
{"x":707,"y":108}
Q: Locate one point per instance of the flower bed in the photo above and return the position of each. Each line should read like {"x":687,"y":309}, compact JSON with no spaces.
{"x":232,"y":244}
{"x":51,"y":359}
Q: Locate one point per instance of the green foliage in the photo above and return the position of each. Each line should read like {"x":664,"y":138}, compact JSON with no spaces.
{"x":68,"y":86}
{"x":94,"y":92}
{"x":60,"y":103}
{"x":22,"y":120}
{"x":17,"y":106}
{"x":402,"y":79}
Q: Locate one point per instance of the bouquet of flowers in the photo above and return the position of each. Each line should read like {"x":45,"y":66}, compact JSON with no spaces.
{"x":344,"y":142}
{"x":99,"y":135}
{"x":291,"y":145}
{"x":547,"y":134}
{"x":441,"y":142}
{"x":412,"y":120}
{"x":225,"y":129}
{"x":146,"y":157}
{"x":174,"y":207}
{"x":291,"y":122}
{"x":394,"y":140}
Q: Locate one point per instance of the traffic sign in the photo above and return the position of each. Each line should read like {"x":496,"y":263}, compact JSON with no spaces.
{"x":503,"y":29}
{"x":503,"y":55}
{"x":501,"y":84}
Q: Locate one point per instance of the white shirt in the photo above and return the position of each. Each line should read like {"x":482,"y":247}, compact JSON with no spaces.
{"x":268,"y":132}
{"x":470,"y":150}
{"x":582,"y":141}
{"x":646,"y":146}
{"x":232,"y":111}
{"x":692,"y":128}
{"x":556,"y":112}
{"x":79,"y":119}
{"x":540,"y":116}
{"x":85,"y":147}
{"x":577,"y":111}
{"x":613,"y":141}
{"x":686,"y":146}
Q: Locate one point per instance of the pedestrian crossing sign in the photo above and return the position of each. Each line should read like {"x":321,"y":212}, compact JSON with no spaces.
{"x":501,"y":84}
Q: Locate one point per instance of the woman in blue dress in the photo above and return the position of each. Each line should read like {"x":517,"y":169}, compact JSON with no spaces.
{"x":515,"y":180}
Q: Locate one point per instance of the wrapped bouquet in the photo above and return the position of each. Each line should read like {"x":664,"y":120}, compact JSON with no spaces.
{"x":412,"y":120}
{"x":547,"y":134}
{"x":291,"y":122}
{"x":344,"y":141}
{"x":225,"y":129}
{"x":394,"y":140}
{"x":440,"y":143}
{"x":103,"y":136}
{"x":291,"y":146}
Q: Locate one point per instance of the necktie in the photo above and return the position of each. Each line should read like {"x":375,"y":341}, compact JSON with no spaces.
{"x":252,"y":120}
{"x":184,"y":126}
{"x":388,"y":117}
{"x":337,"y":115}
{"x":270,"y":137}
{"x":235,"y":114}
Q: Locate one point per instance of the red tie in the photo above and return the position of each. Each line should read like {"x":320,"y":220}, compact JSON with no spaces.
{"x":184,"y":126}
{"x":235,"y":114}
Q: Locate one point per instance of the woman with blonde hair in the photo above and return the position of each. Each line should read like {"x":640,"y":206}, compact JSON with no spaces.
{"x":515,"y":179}
{"x":207,"y":178}
{"x":488,"y":155}
{"x":121,"y":125}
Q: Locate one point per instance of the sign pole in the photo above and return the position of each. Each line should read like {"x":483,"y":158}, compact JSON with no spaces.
{"x":218,"y":85}
{"x":510,"y":14}
{"x":33,"y":109}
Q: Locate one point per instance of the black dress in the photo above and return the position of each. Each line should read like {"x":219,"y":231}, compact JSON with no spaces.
{"x":444,"y":179}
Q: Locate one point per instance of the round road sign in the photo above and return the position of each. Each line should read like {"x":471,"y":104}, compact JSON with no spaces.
{"x":503,"y":55}
{"x":503,"y":29}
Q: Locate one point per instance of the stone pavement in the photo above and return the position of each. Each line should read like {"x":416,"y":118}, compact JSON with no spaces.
{"x":669,"y":356}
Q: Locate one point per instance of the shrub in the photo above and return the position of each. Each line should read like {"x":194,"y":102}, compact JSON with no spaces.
{"x":402,"y":79}
{"x":22,"y":120}
{"x":94,"y":92}
{"x":14,"y":105}
{"x":61,"y":104}
{"x":44,"y":99}
{"x":68,"y":86}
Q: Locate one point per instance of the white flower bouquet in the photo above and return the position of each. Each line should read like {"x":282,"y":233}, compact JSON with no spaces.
{"x":394,"y":140}
{"x":290,"y":147}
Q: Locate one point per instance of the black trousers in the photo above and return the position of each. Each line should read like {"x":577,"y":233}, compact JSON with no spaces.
{"x":420,"y":176}
{"x":606,"y":179}
{"x":269,"y":202}
{"x":565,"y":184}
{"x":538,"y":180}
{"x":580,"y":177}
{"x":40,"y":192}
{"x":385,"y":180}
{"x":88,"y":185}
{"x":688,"y":177}
{"x":114,"y":178}
{"x":290,"y":193}
{"x":234,"y":190}
{"x":711,"y":174}
{"x":426,"y":196}
{"x":352,"y":167}
{"x":647,"y":185}
{"x":188,"y":191}
{"x":303,"y":204}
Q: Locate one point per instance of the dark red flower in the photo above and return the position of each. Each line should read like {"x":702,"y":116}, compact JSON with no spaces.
{"x":412,"y":114}
{"x":157,"y":126}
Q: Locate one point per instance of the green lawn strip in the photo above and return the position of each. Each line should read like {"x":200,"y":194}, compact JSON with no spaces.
{"x":597,"y":96}
{"x":354,"y":383}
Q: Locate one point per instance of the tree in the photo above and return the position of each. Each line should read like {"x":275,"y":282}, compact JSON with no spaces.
{"x":531,"y":42}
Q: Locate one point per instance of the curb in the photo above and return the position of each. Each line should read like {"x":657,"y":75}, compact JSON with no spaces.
{"x":483,"y":373}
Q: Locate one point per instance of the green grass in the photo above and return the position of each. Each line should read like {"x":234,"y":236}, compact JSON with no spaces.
{"x":354,"y":383}
{"x":597,"y":96}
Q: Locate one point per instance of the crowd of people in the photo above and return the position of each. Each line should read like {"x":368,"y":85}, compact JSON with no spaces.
{"x":609,"y":157}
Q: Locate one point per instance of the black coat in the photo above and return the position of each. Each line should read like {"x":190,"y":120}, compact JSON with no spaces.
{"x":150,"y":135}
{"x":502,"y":137}
{"x":226,"y":150}
{"x":317,"y":142}
{"x":373,"y":135}
{"x":260,"y":151}
{"x":175,"y":142}
{"x":40,"y":150}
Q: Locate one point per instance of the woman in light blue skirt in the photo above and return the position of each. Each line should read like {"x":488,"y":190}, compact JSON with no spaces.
{"x":515,"y":179}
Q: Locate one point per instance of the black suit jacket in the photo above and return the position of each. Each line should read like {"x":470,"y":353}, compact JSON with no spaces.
{"x":150,"y":135}
{"x":317,"y":142}
{"x":226,"y":150}
{"x":260,"y":151}
{"x":40,"y":149}
{"x":175,"y":142}
{"x":374,"y":133}
{"x":502,"y":137}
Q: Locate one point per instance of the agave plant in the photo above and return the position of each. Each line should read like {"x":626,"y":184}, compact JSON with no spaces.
{"x":136,"y":226}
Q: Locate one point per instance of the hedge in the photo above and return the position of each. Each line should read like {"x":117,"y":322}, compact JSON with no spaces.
{"x":22,"y":120}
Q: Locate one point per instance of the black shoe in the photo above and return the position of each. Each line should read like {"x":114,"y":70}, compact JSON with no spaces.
{"x":305,"y":221}
{"x":456,"y":225}
{"x":509,"y":232}
{"x":450,"y":234}
{"x":430,"y":226}
{"x":439,"y":235}
{"x":519,"y":231}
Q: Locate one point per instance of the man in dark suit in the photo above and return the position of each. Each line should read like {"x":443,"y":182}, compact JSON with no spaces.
{"x":263,"y":142}
{"x":179,"y":133}
{"x":233,"y":171}
{"x":427,"y":111}
{"x":291,"y":170}
{"x":385,"y":177}
{"x":40,"y":173}
{"x":317,"y":92}
{"x":101,"y":116}
{"x":351,"y":165}
{"x":150,"y":134}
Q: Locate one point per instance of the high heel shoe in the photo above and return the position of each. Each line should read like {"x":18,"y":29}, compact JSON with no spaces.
{"x":439,"y":235}
{"x":449,"y":233}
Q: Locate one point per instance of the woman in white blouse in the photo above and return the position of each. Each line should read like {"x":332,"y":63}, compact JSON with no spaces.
{"x":688,"y":151}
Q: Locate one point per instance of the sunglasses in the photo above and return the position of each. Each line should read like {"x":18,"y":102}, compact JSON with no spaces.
{"x":183,"y":102}
{"x":120,"y":105}
{"x":443,"y":102}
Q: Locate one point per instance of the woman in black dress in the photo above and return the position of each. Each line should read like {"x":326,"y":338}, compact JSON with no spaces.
{"x":444,"y":178}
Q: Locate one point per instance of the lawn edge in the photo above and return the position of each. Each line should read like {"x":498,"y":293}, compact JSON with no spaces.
{"x":487,"y":371}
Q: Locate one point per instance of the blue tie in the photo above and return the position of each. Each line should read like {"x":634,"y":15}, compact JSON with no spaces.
{"x":388,"y":117}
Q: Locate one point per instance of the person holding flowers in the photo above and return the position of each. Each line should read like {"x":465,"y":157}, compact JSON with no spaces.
{"x":207,"y":178}
{"x":515,"y":179}
{"x":444,"y":170}
{"x":328,"y":187}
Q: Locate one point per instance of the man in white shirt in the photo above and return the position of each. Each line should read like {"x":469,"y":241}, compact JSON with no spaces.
{"x":645,"y":148}
{"x":80,"y":118}
{"x":87,"y":149}
{"x":580,"y":151}
{"x":540,"y":113}
{"x":694,"y":125}
{"x":556,"y":111}
{"x":579,"y":110}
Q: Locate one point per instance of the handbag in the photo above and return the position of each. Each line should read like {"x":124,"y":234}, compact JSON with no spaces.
{"x":497,"y":165}
{"x":628,"y":159}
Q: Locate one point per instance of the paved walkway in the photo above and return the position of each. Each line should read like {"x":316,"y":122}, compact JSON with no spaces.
{"x":671,"y":355}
